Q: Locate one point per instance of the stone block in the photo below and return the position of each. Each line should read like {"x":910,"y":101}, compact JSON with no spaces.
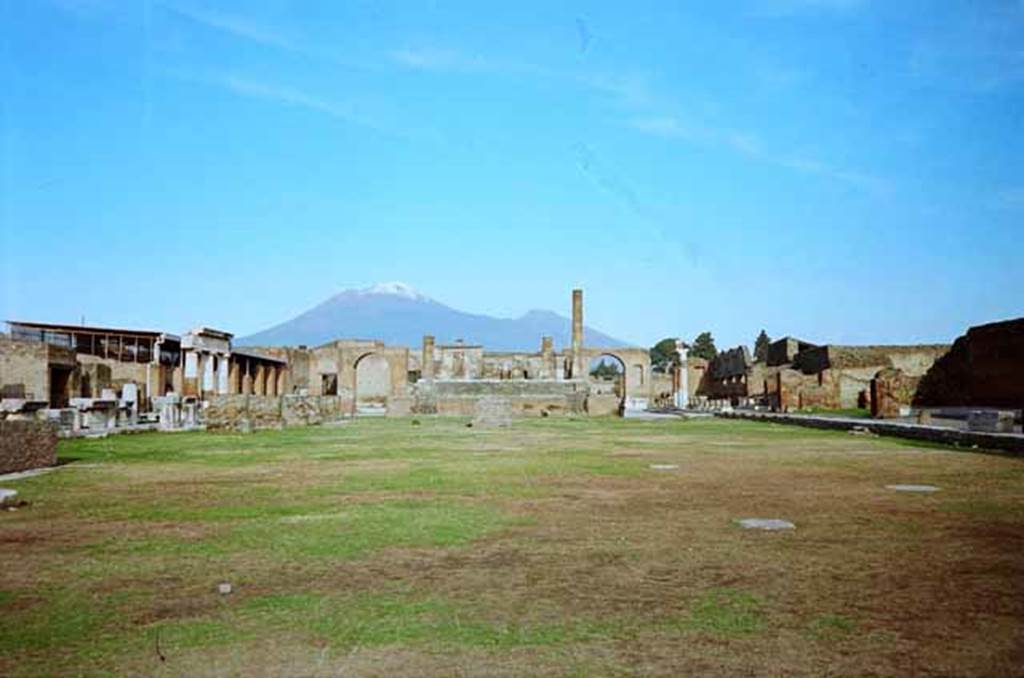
{"x":492,"y":412}
{"x":990,"y":421}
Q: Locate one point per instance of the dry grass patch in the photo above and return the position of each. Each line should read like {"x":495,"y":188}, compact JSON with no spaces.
{"x":551,"y":548}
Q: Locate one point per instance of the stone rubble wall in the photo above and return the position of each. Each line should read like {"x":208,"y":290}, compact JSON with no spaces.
{"x":891,"y":391}
{"x":243,"y":412}
{"x":26,"y":444}
{"x":524,"y":397}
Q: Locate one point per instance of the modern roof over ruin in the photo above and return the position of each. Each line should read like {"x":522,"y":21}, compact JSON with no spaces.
{"x":257,"y":356}
{"x":90,"y":329}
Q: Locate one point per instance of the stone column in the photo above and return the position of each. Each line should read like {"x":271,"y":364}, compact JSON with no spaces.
{"x":223,"y":365}
{"x":271,"y":388}
{"x":234,"y":378}
{"x":427,"y":365}
{"x":282,"y":381}
{"x":578,"y":370}
{"x":260,"y":383}
{"x":547,"y":358}
{"x":206,"y":375}
{"x":682,"y":395}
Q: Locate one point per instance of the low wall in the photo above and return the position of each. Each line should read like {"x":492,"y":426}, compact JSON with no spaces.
{"x":525,"y":397}
{"x":250,"y":411}
{"x":26,"y":445}
{"x":1006,"y":442}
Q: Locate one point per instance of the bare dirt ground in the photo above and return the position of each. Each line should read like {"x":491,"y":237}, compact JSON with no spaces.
{"x":551,"y":548}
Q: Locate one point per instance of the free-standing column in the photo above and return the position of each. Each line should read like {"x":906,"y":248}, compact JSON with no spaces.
{"x":547,"y":358}
{"x":578,"y":371}
{"x":427,"y":366}
{"x":682,"y":395}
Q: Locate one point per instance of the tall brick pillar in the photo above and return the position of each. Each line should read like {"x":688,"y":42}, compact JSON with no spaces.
{"x":547,"y":358}
{"x":578,"y":370}
{"x":427,"y":366}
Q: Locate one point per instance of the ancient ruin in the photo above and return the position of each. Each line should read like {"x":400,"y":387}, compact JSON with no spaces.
{"x":89,"y":380}
{"x":96,"y":380}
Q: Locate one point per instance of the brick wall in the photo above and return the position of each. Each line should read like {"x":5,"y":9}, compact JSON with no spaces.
{"x":26,"y":445}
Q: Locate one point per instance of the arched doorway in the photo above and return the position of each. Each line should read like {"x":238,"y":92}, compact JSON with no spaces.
{"x":607,"y":376}
{"x":373,"y":385}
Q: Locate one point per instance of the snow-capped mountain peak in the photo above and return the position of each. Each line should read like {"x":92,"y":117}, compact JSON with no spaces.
{"x":395,"y":289}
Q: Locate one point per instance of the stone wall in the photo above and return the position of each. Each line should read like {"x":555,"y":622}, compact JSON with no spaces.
{"x":23,"y":369}
{"x":913,"y":360}
{"x":459,"y":398}
{"x":891,"y":391}
{"x":984,"y":368}
{"x":26,"y":444}
{"x":236,"y":412}
{"x":110,"y":373}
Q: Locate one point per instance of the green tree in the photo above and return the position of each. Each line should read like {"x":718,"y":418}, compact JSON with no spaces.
{"x":663,"y":354}
{"x":703,"y":347}
{"x":605,"y":370}
{"x":761,"y":346}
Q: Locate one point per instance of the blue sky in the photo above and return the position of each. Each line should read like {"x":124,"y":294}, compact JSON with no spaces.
{"x":840,"y":170}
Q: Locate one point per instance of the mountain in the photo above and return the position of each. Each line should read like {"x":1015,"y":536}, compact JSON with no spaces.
{"x":399,"y":315}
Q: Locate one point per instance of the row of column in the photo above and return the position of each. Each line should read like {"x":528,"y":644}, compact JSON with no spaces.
{"x":261,"y":380}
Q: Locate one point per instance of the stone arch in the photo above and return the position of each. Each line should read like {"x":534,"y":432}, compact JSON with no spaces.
{"x":636,"y":364}
{"x":607,"y":395}
{"x":372,"y":383}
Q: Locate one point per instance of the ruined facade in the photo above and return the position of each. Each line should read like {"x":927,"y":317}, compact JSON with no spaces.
{"x":101,"y":379}
{"x":798,"y":375}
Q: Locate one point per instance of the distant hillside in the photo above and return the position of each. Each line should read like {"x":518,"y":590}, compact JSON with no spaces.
{"x":399,"y":315}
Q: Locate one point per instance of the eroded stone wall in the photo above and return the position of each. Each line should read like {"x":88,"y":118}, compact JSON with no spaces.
{"x":238,"y":412}
{"x":26,"y":444}
{"x":537,"y":397}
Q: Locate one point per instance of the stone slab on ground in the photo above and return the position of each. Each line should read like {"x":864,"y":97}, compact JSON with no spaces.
{"x":493,"y":412}
{"x":912,"y":488}
{"x":27,"y":474}
{"x":1007,"y":442}
{"x":663,"y":467}
{"x":766,"y":524}
{"x":8,"y":496}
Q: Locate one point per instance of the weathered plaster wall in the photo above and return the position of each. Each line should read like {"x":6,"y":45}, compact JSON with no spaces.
{"x":459,"y":362}
{"x":373,"y":379}
{"x":24,"y":369}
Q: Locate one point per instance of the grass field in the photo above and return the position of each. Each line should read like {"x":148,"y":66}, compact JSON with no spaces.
{"x":388,"y":548}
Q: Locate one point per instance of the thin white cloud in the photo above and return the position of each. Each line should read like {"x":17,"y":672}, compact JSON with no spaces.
{"x":748,"y":145}
{"x":289,"y":96}
{"x":435,"y":60}
{"x":238,"y":26}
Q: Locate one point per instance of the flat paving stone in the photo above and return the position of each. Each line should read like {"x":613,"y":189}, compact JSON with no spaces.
{"x":664,"y":467}
{"x":18,"y":475}
{"x":766,"y":524}
{"x":912,"y":488}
